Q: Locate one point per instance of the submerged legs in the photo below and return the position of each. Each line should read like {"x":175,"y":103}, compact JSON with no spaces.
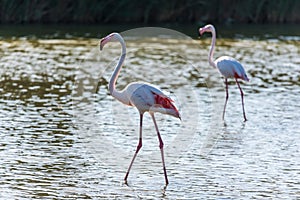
{"x":227,"y":95}
{"x":161,"y":146}
{"x":242,"y":96}
{"x":139,"y":146}
{"x":226,"y":98}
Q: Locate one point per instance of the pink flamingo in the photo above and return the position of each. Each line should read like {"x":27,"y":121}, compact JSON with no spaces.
{"x":227,"y":66}
{"x":143,"y":96}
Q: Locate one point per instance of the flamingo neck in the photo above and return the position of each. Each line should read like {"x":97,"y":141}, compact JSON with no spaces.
{"x":112,"y":83}
{"x":212,"y":48}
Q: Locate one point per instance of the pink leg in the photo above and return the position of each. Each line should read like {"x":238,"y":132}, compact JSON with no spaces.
{"x":161,"y":146}
{"x":226,"y":98}
{"x":242,"y":95}
{"x":139,"y":146}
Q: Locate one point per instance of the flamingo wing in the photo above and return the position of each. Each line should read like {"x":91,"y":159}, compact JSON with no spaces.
{"x":147,"y":98}
{"x":163,"y":103}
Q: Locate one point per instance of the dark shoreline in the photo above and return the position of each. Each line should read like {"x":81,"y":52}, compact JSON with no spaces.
{"x":149,"y":11}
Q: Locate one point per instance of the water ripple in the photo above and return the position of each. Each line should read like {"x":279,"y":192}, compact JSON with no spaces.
{"x":62,"y":136}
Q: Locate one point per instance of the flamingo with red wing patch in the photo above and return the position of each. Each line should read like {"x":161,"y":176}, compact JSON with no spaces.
{"x":143,"y":96}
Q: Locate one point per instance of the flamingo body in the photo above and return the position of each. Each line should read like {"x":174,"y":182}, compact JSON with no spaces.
{"x":145,"y":97}
{"x":227,"y":66}
{"x":231,"y":68}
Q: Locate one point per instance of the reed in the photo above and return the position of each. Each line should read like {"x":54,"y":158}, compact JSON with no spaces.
{"x":149,"y":11}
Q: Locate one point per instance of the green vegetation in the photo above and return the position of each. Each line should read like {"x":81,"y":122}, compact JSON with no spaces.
{"x":149,"y":11}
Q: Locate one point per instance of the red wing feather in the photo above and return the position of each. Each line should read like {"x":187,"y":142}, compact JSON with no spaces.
{"x":164,"y":101}
{"x":237,"y":76}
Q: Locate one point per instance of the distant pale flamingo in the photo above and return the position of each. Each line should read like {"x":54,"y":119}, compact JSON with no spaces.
{"x":227,"y":66}
{"x":143,"y":96}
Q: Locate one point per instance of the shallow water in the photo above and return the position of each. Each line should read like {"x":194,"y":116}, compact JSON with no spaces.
{"x":62,"y":136}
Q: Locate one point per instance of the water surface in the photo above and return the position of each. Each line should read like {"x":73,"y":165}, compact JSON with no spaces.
{"x":62,"y":136}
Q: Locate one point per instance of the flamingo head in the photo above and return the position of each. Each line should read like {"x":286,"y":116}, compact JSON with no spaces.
{"x":207,"y":28}
{"x":108,"y":38}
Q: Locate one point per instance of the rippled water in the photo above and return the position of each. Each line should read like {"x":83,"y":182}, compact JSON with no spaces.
{"x":62,"y":136}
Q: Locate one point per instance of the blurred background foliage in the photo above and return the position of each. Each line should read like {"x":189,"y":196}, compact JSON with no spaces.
{"x":148,"y":11}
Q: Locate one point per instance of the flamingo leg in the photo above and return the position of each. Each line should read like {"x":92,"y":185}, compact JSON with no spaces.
{"x":226,"y":98}
{"x":242,"y":96}
{"x":139,"y":146}
{"x":161,"y":146}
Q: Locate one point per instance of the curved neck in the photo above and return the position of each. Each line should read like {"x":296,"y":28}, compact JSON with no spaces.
{"x":114,"y":76}
{"x":212,"y":48}
{"x":112,"y":83}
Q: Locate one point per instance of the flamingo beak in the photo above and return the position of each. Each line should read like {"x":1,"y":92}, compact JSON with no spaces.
{"x":104,"y":40}
{"x":102,"y":43}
